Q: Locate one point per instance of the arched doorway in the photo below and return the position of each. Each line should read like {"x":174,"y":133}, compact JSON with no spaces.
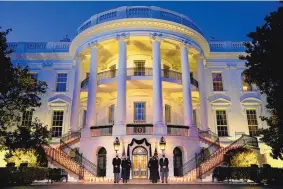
{"x":178,"y":162}
{"x":139,"y":162}
{"x":101,"y":162}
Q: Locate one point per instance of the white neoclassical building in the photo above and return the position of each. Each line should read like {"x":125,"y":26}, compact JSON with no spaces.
{"x":138,"y":74}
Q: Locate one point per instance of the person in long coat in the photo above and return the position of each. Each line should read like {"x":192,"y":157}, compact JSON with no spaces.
{"x":150,"y":168}
{"x":129,"y":167}
{"x":154,"y":167}
{"x":116,"y":162}
{"x":124,"y":165}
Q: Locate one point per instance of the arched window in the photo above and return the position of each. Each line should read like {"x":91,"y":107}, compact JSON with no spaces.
{"x":178,"y":162}
{"x":101,"y":162}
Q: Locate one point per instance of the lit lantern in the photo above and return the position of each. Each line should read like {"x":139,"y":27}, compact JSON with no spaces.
{"x":162,"y":144}
{"x":116,"y":144}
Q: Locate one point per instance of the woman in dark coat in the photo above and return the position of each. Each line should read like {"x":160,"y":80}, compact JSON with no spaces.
{"x":150,"y":168}
{"x":124,"y":165}
{"x":154,"y":167}
{"x":129,"y":167}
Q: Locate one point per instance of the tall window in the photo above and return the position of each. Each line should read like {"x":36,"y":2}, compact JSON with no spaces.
{"x":166,"y":71}
{"x":57,"y":123}
{"x":246,"y":86}
{"x":167,"y":113}
{"x":111,"y":113}
{"x":61,"y":84}
{"x":112,"y":71}
{"x":217,"y":81}
{"x":139,"y":112}
{"x":139,"y":67}
{"x":221,"y":121}
{"x":84,"y":119}
{"x":195,"y":117}
{"x":27,"y":118}
{"x":252,"y":122}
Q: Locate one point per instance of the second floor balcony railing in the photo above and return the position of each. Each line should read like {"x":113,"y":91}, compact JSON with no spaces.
{"x":177,"y":130}
{"x":165,"y":73}
{"x":139,"y":129}
{"x":105,"y":130}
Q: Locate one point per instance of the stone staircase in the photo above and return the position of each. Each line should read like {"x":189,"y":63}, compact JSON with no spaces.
{"x":59,"y":155}
{"x":200,"y":165}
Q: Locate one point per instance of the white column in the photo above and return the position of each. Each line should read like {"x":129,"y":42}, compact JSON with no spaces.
{"x":92,"y":88}
{"x":202,"y":93}
{"x":120,"y":119}
{"x":159,"y":126}
{"x":75,"y":110}
{"x":187,"y":94}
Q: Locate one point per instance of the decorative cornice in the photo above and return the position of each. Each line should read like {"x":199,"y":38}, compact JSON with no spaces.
{"x":156,"y":37}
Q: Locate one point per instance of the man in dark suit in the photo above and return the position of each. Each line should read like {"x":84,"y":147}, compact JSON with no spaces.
{"x":163,"y":162}
{"x":116,"y":162}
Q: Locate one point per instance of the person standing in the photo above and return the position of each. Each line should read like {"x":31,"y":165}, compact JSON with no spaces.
{"x":154,"y":167}
{"x":150,"y":168}
{"x":164,"y":162}
{"x":124,"y":165}
{"x":129,"y":167}
{"x":116,"y":162}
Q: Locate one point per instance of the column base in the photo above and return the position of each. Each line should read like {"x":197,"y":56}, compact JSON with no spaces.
{"x":193,"y":132}
{"x":160,"y":129}
{"x":119,"y":129}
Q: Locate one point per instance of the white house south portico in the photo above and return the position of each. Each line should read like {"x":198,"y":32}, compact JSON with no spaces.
{"x":134,"y":75}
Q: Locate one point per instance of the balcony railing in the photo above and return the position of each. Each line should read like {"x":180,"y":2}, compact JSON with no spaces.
{"x":140,"y":72}
{"x":177,"y":130}
{"x":105,"y":130}
{"x":139,"y":129}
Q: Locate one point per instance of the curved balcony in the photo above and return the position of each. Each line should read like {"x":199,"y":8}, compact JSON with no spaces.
{"x":165,"y":73}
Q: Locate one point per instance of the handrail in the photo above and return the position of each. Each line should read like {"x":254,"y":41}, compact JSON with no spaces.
{"x":71,"y":135}
{"x":140,"y":72}
{"x":200,"y":158}
{"x":82,"y":161}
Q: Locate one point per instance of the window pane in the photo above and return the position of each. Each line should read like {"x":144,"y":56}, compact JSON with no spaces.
{"x":57,"y":123}
{"x":221,"y":121}
{"x":139,"y":111}
{"x":252,"y":122}
{"x":61,"y":84}
{"x":217,"y":81}
{"x":27,"y":118}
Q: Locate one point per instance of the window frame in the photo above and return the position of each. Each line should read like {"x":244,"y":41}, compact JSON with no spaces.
{"x":27,"y":122}
{"x":144,"y":108}
{"x":168,"y":119}
{"x":252,"y":132}
{"x":139,"y":71}
{"x":220,"y":127}
{"x":111,"y":114}
{"x":66,"y":83}
{"x":57,"y":126}
{"x":215,"y":83}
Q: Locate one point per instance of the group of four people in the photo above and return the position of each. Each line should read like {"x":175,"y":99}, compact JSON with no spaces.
{"x":153,"y":165}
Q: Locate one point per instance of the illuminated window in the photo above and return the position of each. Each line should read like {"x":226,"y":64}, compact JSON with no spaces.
{"x":221,"y":121}
{"x":57,"y":123}
{"x":166,"y":71}
{"x":139,"y":67}
{"x":111,"y":113}
{"x":27,"y":118}
{"x":252,"y":122}
{"x":217,"y":81}
{"x":246,"y":86}
{"x":112,"y":71}
{"x":61,"y":84}
{"x":195,"y":117}
{"x":167,"y":113}
{"x":139,"y":112}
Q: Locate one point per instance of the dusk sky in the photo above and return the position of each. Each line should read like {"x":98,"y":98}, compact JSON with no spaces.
{"x":51,"y":21}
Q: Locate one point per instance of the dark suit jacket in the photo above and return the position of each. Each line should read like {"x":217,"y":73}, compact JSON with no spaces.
{"x":116,"y":162}
{"x":165,"y":163}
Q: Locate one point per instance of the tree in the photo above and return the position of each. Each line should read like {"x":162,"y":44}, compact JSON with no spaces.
{"x":263,"y":61}
{"x":240,"y":157}
{"x":19,"y":90}
{"x":26,"y":139}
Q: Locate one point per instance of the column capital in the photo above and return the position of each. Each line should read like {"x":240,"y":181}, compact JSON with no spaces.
{"x":79,"y":56}
{"x":185,"y":44}
{"x":156,"y":37}
{"x":122,"y":37}
{"x":94,"y":44}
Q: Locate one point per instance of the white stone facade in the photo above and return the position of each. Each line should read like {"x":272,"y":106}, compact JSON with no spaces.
{"x":131,"y":56}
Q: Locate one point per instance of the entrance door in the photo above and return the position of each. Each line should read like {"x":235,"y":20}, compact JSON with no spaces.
{"x":139,"y":160}
{"x":178,"y":162}
{"x":101,"y":162}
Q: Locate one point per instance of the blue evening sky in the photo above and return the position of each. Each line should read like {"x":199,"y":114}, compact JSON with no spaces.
{"x":51,"y":21}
